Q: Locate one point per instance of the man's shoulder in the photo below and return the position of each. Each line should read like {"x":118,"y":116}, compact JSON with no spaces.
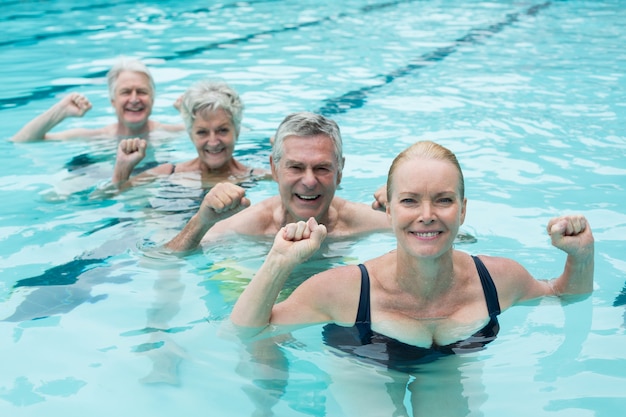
{"x":263,"y":206}
{"x":357,"y":217}
{"x":258,"y":219}
{"x":156,"y":126}
{"x":348,"y":209}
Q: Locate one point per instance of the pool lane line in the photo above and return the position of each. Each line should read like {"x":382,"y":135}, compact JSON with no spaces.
{"x":40,"y":13}
{"x":338,"y":105}
{"x":18,"y":16}
{"x":99,"y":28}
{"x":50,"y":91}
{"x":284,"y":29}
{"x":357,"y":98}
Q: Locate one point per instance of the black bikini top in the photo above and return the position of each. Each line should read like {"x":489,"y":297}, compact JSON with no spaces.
{"x":362,"y":341}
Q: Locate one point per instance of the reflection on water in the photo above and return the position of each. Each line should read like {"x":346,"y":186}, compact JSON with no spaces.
{"x":319,"y":382}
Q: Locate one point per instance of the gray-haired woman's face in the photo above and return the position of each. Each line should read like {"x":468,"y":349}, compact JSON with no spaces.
{"x":214,"y":136}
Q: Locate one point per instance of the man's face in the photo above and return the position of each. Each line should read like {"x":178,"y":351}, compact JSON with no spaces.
{"x":133,"y":99}
{"x":307,"y":175}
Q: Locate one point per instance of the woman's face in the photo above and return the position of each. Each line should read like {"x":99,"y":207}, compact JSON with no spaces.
{"x":214,"y":136}
{"x":426,"y":209}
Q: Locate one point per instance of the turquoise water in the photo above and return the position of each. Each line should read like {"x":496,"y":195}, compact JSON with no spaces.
{"x":531,"y":96}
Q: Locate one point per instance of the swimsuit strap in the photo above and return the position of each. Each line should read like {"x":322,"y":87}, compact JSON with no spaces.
{"x":363,"y":321}
{"x":363,"y":318}
{"x":173,"y":169}
{"x":363,"y":313}
{"x":489,"y":288}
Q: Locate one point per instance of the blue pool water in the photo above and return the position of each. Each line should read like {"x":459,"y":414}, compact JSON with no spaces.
{"x":530,"y":95}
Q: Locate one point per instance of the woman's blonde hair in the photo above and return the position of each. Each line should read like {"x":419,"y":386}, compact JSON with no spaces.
{"x":425,"y":150}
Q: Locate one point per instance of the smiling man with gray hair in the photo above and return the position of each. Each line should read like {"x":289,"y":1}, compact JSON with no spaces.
{"x":307,"y":162}
{"x":131,"y":91}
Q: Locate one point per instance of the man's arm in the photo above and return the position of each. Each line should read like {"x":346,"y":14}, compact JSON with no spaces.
{"x":361,"y":218}
{"x":221,"y":202}
{"x":72,"y":105}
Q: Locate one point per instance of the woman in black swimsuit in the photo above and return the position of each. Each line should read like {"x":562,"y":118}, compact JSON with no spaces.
{"x":411,"y":306}
{"x":425,"y":294}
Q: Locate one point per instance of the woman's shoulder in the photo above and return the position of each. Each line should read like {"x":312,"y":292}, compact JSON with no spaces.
{"x":512,"y":280}
{"x":343,"y":272}
{"x":500,"y":266}
{"x":260,"y":174}
{"x":187,"y":166}
{"x":335,"y":285}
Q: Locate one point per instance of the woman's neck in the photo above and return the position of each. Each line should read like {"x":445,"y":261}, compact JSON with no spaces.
{"x":425,"y":277}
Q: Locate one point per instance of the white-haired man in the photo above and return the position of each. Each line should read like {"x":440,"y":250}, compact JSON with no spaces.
{"x":131,"y":90}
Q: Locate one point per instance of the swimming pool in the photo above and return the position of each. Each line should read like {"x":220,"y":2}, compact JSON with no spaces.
{"x":529,"y":95}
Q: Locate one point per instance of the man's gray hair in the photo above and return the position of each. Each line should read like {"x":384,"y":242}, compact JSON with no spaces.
{"x":127,"y":64}
{"x":307,"y":124}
